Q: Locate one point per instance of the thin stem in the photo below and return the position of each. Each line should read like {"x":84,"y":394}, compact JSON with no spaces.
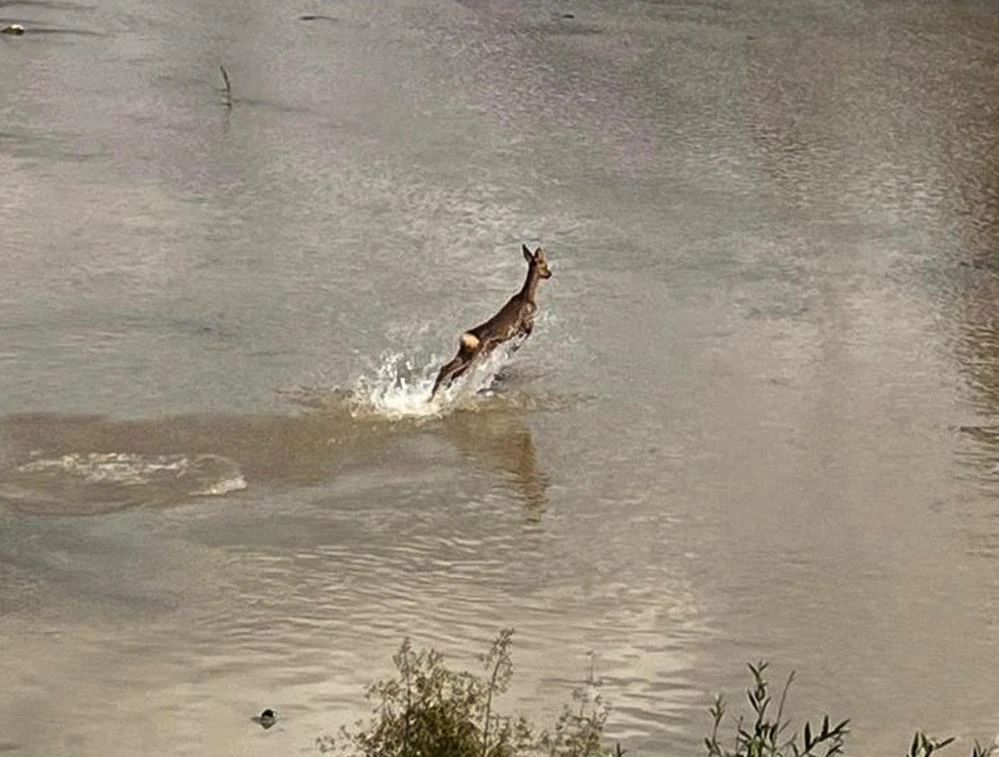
{"x":489,"y":706}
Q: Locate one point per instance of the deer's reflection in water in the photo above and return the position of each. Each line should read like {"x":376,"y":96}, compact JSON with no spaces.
{"x":85,"y":465}
{"x":504,"y":442}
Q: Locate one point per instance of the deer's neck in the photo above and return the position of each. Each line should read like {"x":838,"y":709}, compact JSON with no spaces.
{"x":530,"y":288}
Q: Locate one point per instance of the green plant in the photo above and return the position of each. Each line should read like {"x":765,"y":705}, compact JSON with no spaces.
{"x":766,"y":734}
{"x":980,"y":751}
{"x":428,"y":710}
{"x":579,"y":728}
{"x":924,"y":746}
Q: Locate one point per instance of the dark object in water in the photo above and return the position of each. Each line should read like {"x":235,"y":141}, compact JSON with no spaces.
{"x":265,"y":719}
{"x":15,"y":29}
{"x":227,"y":86}
{"x":568,"y":15}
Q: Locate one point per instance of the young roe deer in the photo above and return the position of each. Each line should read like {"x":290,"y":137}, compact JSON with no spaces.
{"x":514,"y":319}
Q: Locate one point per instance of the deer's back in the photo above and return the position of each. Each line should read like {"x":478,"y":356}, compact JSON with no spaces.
{"x":507,"y":321}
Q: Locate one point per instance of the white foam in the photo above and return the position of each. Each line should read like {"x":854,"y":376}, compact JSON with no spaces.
{"x":234,"y":484}
{"x":122,"y":468}
{"x":398,"y":388}
{"x":198,"y":475}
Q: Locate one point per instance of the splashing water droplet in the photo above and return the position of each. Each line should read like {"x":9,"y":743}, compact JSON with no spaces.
{"x":400,"y":389}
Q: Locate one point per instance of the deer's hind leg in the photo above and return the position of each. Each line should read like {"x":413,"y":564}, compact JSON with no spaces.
{"x":468,"y":348}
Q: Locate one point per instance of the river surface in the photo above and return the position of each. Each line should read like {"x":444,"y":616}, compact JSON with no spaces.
{"x":758,"y":417}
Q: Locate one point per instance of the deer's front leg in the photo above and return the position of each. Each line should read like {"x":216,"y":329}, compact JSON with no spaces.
{"x":523,"y":331}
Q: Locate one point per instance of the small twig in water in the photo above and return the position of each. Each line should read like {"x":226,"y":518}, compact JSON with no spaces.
{"x":227,"y":89}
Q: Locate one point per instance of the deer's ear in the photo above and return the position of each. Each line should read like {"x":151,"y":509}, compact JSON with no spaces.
{"x":527,"y":253}
{"x":539,"y":254}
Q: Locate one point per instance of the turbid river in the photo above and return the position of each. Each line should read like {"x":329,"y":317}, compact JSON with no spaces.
{"x":758,"y":417}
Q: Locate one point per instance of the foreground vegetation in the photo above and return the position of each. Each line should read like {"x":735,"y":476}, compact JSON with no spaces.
{"x":429,"y":710}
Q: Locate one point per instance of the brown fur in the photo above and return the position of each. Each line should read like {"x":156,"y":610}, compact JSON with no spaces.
{"x":514,"y":319}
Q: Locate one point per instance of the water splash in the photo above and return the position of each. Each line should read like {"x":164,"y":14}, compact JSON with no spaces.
{"x":399,"y":388}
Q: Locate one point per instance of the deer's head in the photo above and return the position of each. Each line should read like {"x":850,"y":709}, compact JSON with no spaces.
{"x":537,"y":260}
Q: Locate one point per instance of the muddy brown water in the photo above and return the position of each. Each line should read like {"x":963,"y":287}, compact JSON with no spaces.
{"x":758,"y":418}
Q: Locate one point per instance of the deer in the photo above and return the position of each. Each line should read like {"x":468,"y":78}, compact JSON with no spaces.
{"x":515,"y":320}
